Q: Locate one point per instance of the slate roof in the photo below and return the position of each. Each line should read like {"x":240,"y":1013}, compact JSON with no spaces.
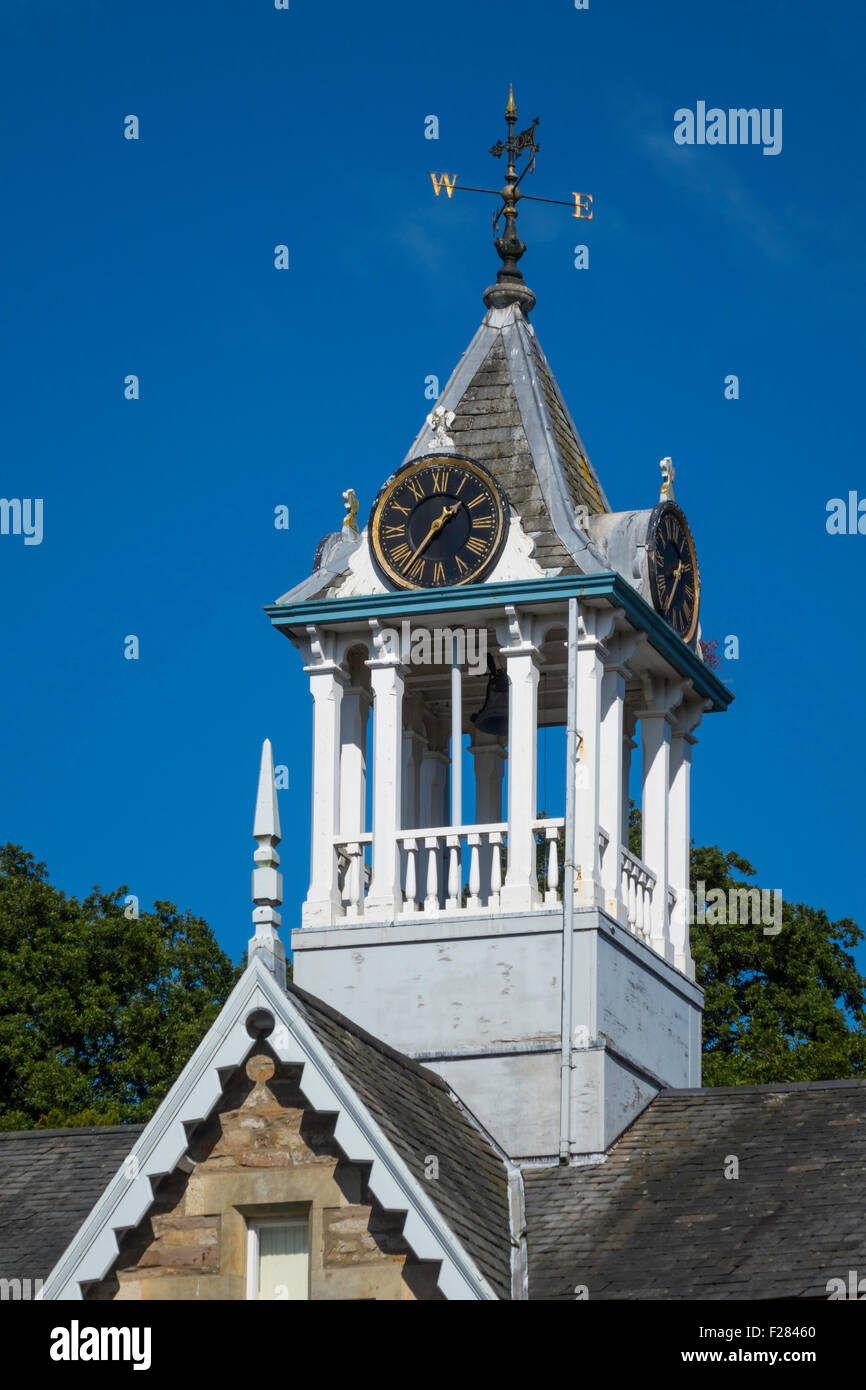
{"x":420,"y":1117}
{"x":49,"y":1181}
{"x":659,"y":1219}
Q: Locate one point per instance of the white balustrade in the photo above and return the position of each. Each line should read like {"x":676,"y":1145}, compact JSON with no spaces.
{"x":495,"y":868}
{"x":410,"y":847}
{"x":431,"y":900}
{"x":638,"y":883}
{"x":439,"y":875}
{"x":551,"y":897}
{"x":353,"y":873}
{"x":455,"y":876}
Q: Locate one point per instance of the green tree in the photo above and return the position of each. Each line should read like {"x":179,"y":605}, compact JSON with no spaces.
{"x":99,"y":1012}
{"x":778,"y":1008}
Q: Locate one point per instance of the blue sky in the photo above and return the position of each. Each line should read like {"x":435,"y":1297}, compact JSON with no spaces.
{"x":261,"y":388}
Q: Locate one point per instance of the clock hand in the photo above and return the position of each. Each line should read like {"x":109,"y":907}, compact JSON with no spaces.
{"x":677,"y":576}
{"x":434,"y":529}
{"x":447,"y":514}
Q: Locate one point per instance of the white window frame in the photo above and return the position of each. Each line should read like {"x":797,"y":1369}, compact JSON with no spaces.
{"x":254,"y":1226}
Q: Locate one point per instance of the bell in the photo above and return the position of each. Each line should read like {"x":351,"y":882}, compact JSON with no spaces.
{"x":492,"y":718}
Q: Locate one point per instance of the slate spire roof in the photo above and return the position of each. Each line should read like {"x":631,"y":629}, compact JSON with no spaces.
{"x":509,"y":414}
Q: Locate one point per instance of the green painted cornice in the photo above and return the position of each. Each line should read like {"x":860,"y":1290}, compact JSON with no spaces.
{"x":416,"y":604}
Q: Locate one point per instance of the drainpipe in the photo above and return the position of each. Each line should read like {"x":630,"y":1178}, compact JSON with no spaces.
{"x":568,"y":891}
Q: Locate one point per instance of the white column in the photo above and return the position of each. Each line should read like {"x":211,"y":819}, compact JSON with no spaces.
{"x":594,"y":626}
{"x":433,"y":786}
{"x":434,"y":807}
{"x":679,"y":828}
{"x":660,"y":697}
{"x":384,"y":898}
{"x":353,"y":761}
{"x":613,"y":791}
{"x":610,"y":794}
{"x":520,"y":890}
{"x":488,"y":754}
{"x":352,"y":819}
{"x":629,"y":744}
{"x":414,"y":747}
{"x":456,"y":737}
{"x":327,"y":681}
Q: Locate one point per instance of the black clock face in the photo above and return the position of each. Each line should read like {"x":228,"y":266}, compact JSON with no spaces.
{"x":441,"y":520}
{"x":673,"y":569}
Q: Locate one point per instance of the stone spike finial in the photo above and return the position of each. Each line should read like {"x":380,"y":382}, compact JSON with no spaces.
{"x":267,"y":819}
{"x":267,"y":879}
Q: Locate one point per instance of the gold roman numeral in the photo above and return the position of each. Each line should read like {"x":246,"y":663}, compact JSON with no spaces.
{"x":416,"y":488}
{"x":440,"y":480}
{"x":395,"y":530}
{"x":438,"y":573}
{"x":475,"y":545}
{"x":398,"y":508}
{"x":476,"y":500}
{"x":399,"y":554}
{"x":417,"y":570}
{"x":458,"y":490}
{"x":483,"y":523}
{"x":464,"y":569}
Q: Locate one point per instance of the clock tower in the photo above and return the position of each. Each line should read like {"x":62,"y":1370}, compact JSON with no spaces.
{"x":535,"y":961}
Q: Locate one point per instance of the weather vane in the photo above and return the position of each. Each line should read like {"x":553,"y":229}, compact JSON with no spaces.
{"x":508,"y":245}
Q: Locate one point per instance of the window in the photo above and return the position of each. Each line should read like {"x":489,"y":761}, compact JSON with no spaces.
{"x":278,"y":1259}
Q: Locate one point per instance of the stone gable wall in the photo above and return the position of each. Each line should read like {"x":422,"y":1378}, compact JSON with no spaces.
{"x":263,"y":1153}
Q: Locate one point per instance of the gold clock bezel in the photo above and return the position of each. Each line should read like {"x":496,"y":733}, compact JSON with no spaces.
{"x":397,"y":480}
{"x":656,"y":516}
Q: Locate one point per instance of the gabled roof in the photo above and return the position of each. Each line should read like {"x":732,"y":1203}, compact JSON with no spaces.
{"x":659,"y":1218}
{"x":391,"y":1114}
{"x":49,"y":1181}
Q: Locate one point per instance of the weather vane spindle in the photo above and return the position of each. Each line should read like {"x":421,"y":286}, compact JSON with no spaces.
{"x":509,"y":287}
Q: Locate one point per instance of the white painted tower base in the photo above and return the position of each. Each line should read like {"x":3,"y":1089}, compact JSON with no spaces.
{"x":480,"y":1002}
